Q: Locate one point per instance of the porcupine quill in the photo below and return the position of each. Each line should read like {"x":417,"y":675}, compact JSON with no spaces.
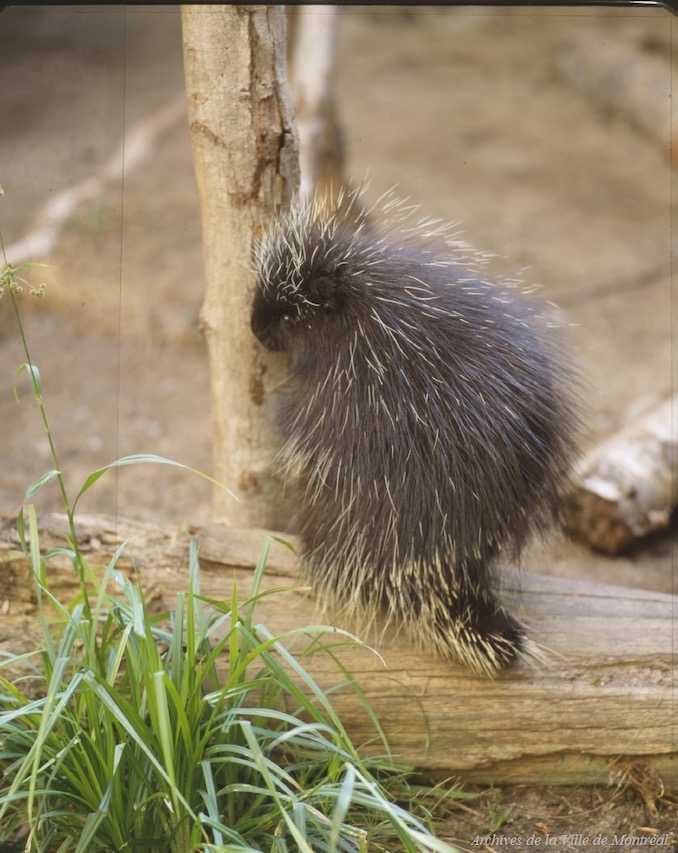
{"x":428,"y":423}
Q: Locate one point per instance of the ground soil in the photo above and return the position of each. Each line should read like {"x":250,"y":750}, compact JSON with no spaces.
{"x":468,"y":111}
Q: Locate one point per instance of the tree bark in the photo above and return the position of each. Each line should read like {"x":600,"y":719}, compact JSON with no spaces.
{"x":604,"y":705}
{"x":245,"y":150}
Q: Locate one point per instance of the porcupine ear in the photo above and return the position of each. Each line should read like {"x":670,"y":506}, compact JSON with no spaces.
{"x":324,"y":290}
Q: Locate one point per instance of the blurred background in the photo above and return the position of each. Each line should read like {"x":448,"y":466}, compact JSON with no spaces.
{"x":545,"y":133}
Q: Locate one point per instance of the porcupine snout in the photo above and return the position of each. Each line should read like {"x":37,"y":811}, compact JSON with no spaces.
{"x":428,"y":423}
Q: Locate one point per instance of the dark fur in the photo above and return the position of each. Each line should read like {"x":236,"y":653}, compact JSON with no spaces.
{"x":427,"y":423}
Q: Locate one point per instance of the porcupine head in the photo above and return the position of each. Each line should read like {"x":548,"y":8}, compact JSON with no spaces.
{"x":427,"y":424}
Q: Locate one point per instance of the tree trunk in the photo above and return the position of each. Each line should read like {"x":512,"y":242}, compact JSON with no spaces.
{"x":312,"y":65}
{"x":245,"y":150}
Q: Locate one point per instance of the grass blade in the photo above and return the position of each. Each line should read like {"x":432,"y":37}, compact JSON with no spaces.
{"x":143,"y":459}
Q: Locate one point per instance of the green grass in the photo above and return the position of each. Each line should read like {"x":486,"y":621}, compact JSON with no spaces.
{"x":192,"y":730}
{"x":139,"y":740}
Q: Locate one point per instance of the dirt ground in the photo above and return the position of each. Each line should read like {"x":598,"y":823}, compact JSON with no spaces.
{"x":469,"y":112}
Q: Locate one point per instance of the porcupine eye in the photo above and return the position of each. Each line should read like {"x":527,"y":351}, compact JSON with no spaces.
{"x":322,"y":293}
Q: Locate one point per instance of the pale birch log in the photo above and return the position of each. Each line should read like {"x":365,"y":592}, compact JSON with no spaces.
{"x":624,"y":489}
{"x":605,"y":701}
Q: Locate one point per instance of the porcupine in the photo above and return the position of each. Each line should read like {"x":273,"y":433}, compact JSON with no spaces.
{"x":428,"y":422}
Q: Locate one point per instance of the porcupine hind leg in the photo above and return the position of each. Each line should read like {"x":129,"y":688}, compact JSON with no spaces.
{"x":469,"y":623}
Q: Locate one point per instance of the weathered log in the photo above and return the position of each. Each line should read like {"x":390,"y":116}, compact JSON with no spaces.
{"x":623,"y":489}
{"x":608,"y":693}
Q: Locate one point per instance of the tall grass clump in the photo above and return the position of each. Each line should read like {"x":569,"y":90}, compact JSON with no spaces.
{"x":193,"y":730}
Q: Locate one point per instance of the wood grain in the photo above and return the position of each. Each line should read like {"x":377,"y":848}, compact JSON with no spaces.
{"x":607,"y":694}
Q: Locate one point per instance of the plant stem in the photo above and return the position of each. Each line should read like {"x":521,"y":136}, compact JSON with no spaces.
{"x":78,"y":562}
{"x":37,"y":393}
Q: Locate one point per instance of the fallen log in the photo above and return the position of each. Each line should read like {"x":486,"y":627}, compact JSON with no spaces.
{"x":605,"y":700}
{"x":623,"y":489}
